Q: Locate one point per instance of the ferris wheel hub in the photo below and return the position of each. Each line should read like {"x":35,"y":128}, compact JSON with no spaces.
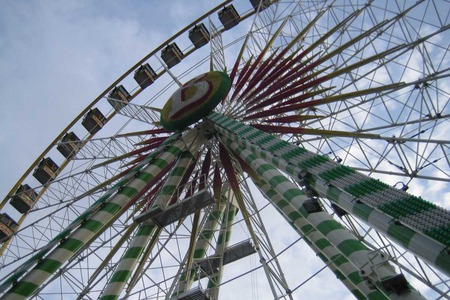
{"x":195,"y":100}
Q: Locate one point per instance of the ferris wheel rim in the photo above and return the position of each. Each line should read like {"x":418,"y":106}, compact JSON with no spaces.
{"x":87,"y":108}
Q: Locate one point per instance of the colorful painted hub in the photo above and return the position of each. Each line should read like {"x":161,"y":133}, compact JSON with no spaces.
{"x":195,"y":100}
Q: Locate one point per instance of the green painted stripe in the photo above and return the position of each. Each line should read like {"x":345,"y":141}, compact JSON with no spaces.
{"x":333,"y":193}
{"x":322,"y":243}
{"x":292,"y":193}
{"x":178,"y":171}
{"x":139,"y":167}
{"x":362,"y":210}
{"x":339,"y":275}
{"x":63,"y":234}
{"x":82,"y":217}
{"x":213,"y":282}
{"x":231,"y":214}
{"x":358,"y":295}
{"x":376,"y":295}
{"x":349,"y":247}
{"x":130,"y":192}
{"x":290,"y":169}
{"x":443,"y":261}
{"x":160,"y":163}
{"x":307,"y":229}
{"x":328,"y":226}
{"x":168,"y":189}
{"x":145,"y":230}
{"x":402,"y":234}
{"x":109,"y":297}
{"x":174,"y":150}
{"x":120,"y":276}
{"x":49,"y":265}
{"x":14,"y":277}
{"x":339,"y":259}
{"x":281,"y":204}
{"x":183,"y":276}
{"x":199,"y":253}
{"x":271,"y":193}
{"x":221,"y":240}
{"x":144,"y":176}
{"x":215,"y":215}
{"x":92,"y":225}
{"x":23,"y":288}
{"x":133,"y":252}
{"x":262,"y":154}
{"x":263,"y":168}
{"x":276,"y":180}
{"x":355,"y":277}
{"x":294,"y":216}
{"x":111,"y":208}
{"x":71,"y":244}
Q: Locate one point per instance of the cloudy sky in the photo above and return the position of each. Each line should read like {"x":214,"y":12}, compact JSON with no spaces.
{"x":57,"y":56}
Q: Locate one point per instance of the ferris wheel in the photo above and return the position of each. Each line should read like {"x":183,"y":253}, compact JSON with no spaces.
{"x":264,"y":145}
